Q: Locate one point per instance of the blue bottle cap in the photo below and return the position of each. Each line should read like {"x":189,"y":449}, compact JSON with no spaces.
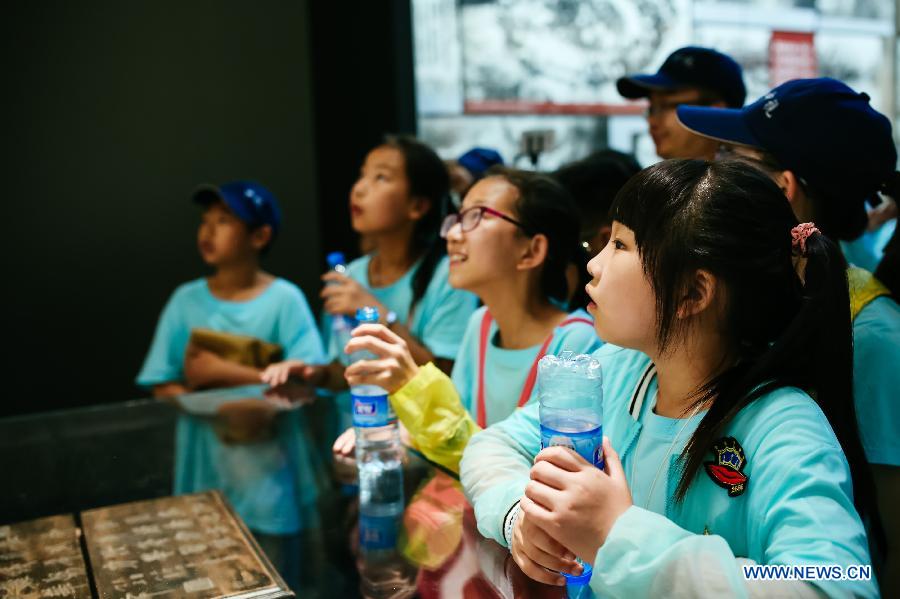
{"x":575,"y":581}
{"x":335,"y":258}
{"x":580,"y":580}
{"x":367,"y":314}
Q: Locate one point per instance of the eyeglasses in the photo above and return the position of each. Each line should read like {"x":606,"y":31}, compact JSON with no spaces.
{"x":469,"y":218}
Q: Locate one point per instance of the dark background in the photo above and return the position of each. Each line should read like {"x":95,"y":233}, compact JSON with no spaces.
{"x":117,"y":110}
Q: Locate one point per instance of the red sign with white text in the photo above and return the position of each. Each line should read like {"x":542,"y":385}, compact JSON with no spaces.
{"x":792,"y":55}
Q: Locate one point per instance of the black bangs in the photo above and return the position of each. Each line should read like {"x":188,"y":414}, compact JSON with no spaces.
{"x":654,"y":200}
{"x":661,"y":206}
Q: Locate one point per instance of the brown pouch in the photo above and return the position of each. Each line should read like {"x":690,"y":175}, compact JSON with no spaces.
{"x":241,"y":349}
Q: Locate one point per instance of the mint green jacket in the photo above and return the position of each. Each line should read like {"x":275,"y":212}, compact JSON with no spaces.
{"x":797,"y":507}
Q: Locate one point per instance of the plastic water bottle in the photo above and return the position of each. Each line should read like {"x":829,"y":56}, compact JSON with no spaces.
{"x":379,"y":458}
{"x":570,"y":393}
{"x":341,"y":324}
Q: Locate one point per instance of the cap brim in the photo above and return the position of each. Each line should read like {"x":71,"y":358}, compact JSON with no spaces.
{"x":640,"y":86}
{"x":723,"y":124}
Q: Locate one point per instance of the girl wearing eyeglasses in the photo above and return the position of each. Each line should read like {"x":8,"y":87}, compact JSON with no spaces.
{"x":397,"y":203}
{"x":510,"y":245}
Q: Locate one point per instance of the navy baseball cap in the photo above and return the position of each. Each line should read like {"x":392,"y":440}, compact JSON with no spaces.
{"x":250,"y":202}
{"x":478,"y":160}
{"x":821,"y":130}
{"x":688,"y":67}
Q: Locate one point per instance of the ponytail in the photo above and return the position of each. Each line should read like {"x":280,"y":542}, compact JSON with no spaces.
{"x":827,"y":336}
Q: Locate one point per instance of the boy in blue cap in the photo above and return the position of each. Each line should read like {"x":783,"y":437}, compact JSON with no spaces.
{"x":829,"y":151}
{"x":270,"y":482}
{"x":691,"y":75}
{"x":240,"y":222}
{"x":469,"y":168}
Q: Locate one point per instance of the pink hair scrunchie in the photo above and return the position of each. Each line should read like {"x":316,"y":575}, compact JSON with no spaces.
{"x":799,"y":235}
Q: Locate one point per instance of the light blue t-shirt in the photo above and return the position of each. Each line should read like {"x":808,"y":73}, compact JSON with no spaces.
{"x":876,"y":379}
{"x":268,"y":482}
{"x":505,"y":370}
{"x":796,"y":505}
{"x":661,"y":438}
{"x":439,"y":318}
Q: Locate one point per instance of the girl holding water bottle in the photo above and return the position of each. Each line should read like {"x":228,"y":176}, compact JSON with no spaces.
{"x":724,"y":318}
{"x":397,"y":203}
{"x":510,"y":244}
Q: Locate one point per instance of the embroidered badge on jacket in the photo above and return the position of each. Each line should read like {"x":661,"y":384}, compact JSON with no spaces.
{"x":727,"y":469}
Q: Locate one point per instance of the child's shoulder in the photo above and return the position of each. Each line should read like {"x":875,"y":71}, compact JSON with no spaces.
{"x":622,"y":369}
{"x":878,"y":322}
{"x":577,"y":321}
{"x":194,"y":290}
{"x":442,"y":268}
{"x":358,"y":269}
{"x":576,"y":334}
{"x":785,"y":412}
{"x":440,"y":290}
{"x":440,"y":278}
{"x":476,"y":318}
{"x":284,"y":290}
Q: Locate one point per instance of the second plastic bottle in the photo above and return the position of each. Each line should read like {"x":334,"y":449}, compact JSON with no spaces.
{"x":379,"y":458}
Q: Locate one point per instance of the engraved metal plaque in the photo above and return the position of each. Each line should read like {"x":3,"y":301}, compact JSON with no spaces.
{"x":186,"y":546}
{"x":42,"y":559}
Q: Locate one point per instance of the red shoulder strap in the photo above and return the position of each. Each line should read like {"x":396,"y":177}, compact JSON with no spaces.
{"x":575,"y":319}
{"x":532,"y":374}
{"x":481,"y":416}
{"x":530,"y":380}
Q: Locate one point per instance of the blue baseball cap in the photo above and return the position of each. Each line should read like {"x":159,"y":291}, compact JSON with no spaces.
{"x":250,"y":202}
{"x":689,"y":67}
{"x":821,"y":130}
{"x":478,"y":160}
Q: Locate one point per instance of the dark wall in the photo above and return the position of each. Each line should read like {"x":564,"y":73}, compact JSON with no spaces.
{"x":363,"y":88}
{"x":72,"y":460}
{"x":114,"y":112}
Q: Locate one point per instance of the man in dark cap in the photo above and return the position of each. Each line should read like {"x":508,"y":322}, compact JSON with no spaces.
{"x":691,"y":75}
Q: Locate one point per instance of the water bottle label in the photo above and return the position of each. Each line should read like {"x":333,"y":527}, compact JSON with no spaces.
{"x":587,"y":444}
{"x":372,"y":410}
{"x":378,"y":532}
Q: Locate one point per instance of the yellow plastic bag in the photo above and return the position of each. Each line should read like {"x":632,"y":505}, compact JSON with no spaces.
{"x":430,"y":408}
